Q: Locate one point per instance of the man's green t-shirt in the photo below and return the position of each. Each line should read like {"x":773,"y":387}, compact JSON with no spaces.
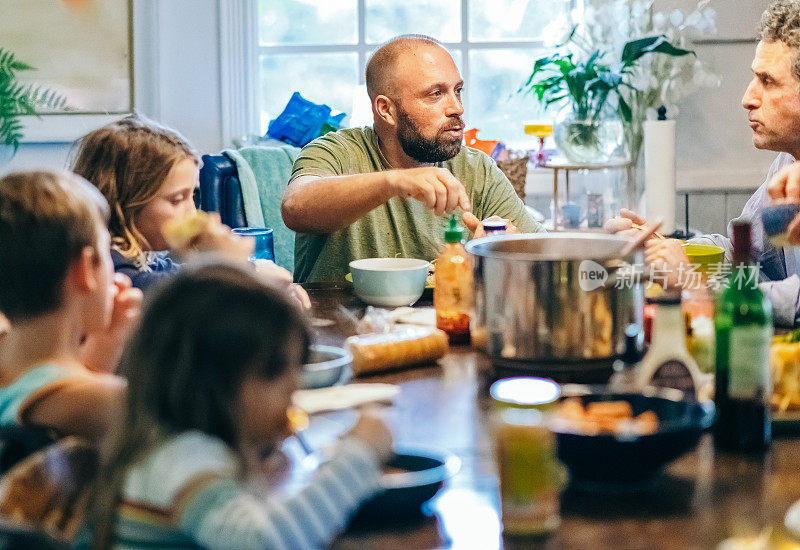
{"x":402,"y":227}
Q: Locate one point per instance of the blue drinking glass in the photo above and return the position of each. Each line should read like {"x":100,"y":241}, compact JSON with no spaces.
{"x":572,"y":215}
{"x":265,"y":245}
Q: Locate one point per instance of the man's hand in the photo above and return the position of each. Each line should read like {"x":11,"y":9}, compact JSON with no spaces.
{"x":436,"y":188}
{"x":785,"y":187}
{"x":218,"y":238}
{"x":628,"y":223}
{"x":666,"y":257}
{"x":475,"y":225}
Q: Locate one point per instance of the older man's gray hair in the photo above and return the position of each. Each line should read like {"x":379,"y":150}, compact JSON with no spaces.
{"x":781,"y":21}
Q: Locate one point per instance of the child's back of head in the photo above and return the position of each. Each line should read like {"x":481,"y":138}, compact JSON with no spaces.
{"x":46,"y":220}
{"x":65,"y":307}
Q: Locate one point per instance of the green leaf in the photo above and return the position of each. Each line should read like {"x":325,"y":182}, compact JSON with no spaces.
{"x":555,"y":99}
{"x":624,"y":110}
{"x":542,"y":62}
{"x":565,"y":65}
{"x":668,"y":48}
{"x":593,"y":59}
{"x":571,"y":35}
{"x":18,"y":99}
{"x":635,"y":49}
{"x":597,"y":85}
{"x":613,"y":80}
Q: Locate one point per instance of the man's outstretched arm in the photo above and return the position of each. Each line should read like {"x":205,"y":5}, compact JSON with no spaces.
{"x":314,"y":204}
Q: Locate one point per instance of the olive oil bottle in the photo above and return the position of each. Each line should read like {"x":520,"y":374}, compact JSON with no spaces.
{"x":743,"y":327}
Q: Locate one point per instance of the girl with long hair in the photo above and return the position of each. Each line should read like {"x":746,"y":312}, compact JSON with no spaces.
{"x":211,"y":371}
{"x":148,"y":173}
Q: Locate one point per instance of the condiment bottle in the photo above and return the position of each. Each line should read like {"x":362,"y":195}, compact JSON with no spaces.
{"x":452,"y":295}
{"x":531,"y":477}
{"x":743,"y":327}
{"x":494,"y":227}
{"x":624,"y":378}
{"x":668,"y":363}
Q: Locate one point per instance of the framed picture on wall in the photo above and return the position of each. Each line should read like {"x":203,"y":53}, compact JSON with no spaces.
{"x":80,"y":48}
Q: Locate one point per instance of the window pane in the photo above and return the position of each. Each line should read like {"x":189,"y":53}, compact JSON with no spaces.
{"x":282,"y":22}
{"x":512,"y":19}
{"x":328,"y":78}
{"x":440,"y":19}
{"x":494,"y":107}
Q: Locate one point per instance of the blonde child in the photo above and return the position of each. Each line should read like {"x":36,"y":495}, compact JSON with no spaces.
{"x":148,"y":174}
{"x":211,"y":370}
{"x":60,"y":295}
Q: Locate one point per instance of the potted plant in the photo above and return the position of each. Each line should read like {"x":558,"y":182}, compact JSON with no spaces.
{"x":590,"y":128}
{"x":17,"y":99}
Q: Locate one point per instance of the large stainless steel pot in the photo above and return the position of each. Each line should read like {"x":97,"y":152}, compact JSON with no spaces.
{"x":554,"y":298}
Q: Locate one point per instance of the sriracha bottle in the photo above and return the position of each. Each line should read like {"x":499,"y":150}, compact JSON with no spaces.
{"x":452,"y":295}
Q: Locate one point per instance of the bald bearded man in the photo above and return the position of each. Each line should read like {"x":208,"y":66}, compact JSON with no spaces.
{"x":385,"y":191}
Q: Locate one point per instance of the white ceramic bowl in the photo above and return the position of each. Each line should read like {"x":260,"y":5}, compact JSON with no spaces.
{"x":389,"y":282}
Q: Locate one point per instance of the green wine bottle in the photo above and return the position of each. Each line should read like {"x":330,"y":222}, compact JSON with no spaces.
{"x":743,"y":327}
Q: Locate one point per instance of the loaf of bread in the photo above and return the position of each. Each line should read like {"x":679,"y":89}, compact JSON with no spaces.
{"x":408,"y":346}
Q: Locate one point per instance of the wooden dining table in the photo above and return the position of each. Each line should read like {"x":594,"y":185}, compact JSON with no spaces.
{"x":701,"y":499}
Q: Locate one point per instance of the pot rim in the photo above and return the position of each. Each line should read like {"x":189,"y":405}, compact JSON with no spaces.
{"x":474,"y":244}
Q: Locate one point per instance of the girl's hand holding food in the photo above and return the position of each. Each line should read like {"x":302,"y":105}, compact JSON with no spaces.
{"x":204,"y":232}
{"x":281,"y":277}
{"x":372,"y":430}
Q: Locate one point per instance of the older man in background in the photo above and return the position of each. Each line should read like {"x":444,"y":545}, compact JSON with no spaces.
{"x":772,"y":102}
{"x":383,"y":191}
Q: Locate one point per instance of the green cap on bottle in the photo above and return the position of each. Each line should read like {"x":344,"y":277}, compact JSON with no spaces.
{"x":455,"y":233}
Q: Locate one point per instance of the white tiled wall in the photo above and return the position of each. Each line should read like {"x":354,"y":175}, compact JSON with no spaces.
{"x":710,"y":212}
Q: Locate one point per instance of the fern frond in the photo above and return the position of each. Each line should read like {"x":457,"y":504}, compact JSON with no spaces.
{"x":18,"y":99}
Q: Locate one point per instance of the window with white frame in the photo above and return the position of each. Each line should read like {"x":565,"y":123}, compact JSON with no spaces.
{"x":320,"y":48}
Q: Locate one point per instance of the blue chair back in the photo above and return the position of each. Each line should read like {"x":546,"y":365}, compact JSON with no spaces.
{"x":221,"y":190}
{"x":268,"y":168}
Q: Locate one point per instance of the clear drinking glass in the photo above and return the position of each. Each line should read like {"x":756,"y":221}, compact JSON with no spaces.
{"x":531,"y":477}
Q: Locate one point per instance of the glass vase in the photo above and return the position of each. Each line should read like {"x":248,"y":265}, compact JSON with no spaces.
{"x":588,"y":140}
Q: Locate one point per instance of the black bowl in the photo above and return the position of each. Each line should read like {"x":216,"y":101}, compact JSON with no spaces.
{"x":403,"y":494}
{"x":630,"y":461}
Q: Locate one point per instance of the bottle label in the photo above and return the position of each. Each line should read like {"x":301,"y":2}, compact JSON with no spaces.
{"x":748,"y":362}
{"x":674,"y":374}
